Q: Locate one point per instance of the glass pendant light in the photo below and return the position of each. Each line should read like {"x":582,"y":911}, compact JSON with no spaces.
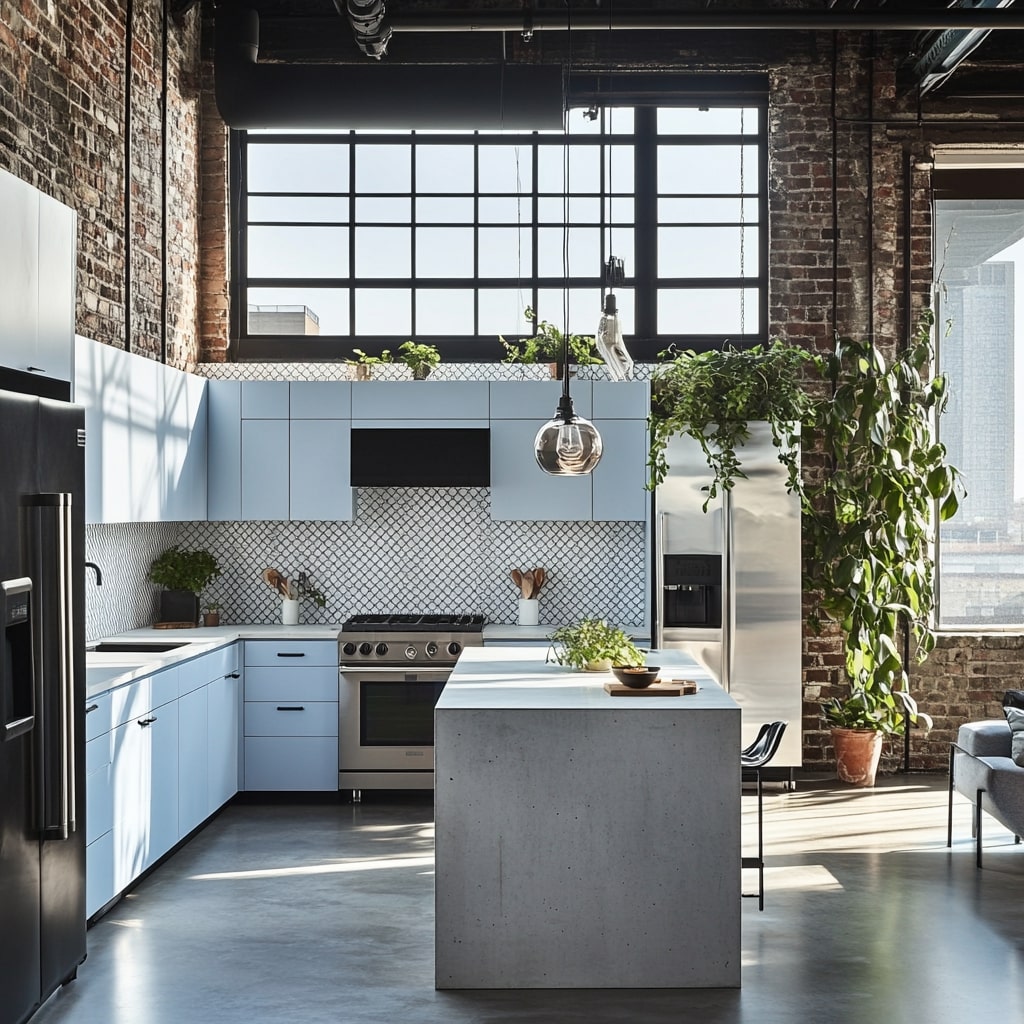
{"x":610,"y":344}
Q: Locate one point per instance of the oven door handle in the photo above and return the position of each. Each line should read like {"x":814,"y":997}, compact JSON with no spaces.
{"x":394,"y":670}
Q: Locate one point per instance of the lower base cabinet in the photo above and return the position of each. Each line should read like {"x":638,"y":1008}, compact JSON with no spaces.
{"x":299,"y":763}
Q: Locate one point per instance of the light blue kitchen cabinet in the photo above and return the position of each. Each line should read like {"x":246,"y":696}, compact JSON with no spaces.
{"x":37,"y":281}
{"x":520,"y":489}
{"x":272,"y":458}
{"x":146,"y":424}
{"x":223,"y":708}
{"x":224,"y":458}
{"x":265,"y":400}
{"x":265,"y":469}
{"x":536,"y":399}
{"x":320,"y":399}
{"x":291,"y":715}
{"x":144,"y":772}
{"x":420,"y":400}
{"x":319,"y":461}
{"x":619,"y":479}
{"x":193,"y":760}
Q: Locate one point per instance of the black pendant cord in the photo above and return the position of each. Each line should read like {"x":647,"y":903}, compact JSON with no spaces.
{"x":565,"y":410}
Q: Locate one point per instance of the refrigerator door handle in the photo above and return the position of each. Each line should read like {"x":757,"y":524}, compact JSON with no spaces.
{"x":17,"y":674}
{"x":49,"y":549}
{"x":659,"y":583}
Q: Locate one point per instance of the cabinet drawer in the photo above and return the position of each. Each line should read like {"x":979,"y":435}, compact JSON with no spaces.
{"x":291,"y":653}
{"x":291,"y":718}
{"x":98,"y":712}
{"x":99,"y":793}
{"x":204,"y":669}
{"x":315,"y":683}
{"x":130,"y":701}
{"x":99,"y":873}
{"x":301,"y":764}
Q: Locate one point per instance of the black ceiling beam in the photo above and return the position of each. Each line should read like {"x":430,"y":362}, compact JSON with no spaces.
{"x":709,"y":19}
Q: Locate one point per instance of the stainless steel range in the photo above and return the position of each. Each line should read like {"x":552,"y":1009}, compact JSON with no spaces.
{"x":392,"y":671}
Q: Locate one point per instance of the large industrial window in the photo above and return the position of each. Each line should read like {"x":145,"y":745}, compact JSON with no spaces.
{"x":365,"y":239}
{"x":979,"y":266}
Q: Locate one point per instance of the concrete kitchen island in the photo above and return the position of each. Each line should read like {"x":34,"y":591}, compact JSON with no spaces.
{"x":584,"y":840}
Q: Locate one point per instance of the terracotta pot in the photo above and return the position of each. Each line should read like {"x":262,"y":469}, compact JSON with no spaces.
{"x":857,"y":753}
{"x":211,"y":618}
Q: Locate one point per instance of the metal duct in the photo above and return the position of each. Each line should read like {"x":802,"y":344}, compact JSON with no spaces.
{"x":368,"y":25}
{"x":253,"y":95}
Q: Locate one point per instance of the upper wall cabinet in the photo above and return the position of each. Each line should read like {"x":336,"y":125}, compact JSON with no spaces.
{"x":520,"y":490}
{"x":37,"y":281}
{"x":436,"y":403}
{"x":279,"y":450}
{"x":146,"y":437}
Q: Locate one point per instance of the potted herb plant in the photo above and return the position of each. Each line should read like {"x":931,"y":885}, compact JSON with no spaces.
{"x":546,"y":346}
{"x":421,"y":359}
{"x":594,"y":646}
{"x":869,"y":533}
{"x":364,"y":363}
{"x":183,"y":575}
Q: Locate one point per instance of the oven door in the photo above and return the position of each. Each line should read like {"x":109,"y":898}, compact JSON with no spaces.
{"x":386,"y":718}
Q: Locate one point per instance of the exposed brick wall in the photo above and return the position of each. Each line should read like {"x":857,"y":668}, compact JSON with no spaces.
{"x":62,"y":121}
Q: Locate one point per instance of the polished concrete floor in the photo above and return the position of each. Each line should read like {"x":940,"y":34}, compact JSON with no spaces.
{"x":310,"y":914}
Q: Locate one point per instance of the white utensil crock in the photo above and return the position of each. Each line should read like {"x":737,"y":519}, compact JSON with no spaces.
{"x":289,"y":612}
{"x":529,"y":611}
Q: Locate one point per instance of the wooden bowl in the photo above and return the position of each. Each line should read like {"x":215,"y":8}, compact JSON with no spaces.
{"x":638,"y":677}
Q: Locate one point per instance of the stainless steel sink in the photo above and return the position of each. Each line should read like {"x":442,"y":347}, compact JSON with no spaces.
{"x":136,"y":647}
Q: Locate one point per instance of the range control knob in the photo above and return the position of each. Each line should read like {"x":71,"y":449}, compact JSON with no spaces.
{"x":410,"y":652}
{"x":454,"y":647}
{"x":382,"y":649}
{"x":431,"y":649}
{"x":365,"y":648}
{"x":349,"y":649}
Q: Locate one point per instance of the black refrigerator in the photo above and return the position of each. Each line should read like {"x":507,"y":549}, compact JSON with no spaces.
{"x":42,"y":700}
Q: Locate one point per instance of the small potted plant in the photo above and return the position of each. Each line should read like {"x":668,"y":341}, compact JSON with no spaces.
{"x":547,"y":345}
{"x":211,"y":613}
{"x":594,"y":646}
{"x":364,"y":363}
{"x":421,"y":359}
{"x":183,"y":575}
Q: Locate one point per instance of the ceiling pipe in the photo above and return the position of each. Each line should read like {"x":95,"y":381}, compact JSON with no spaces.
{"x":707,"y":20}
{"x":371,"y":31}
{"x":254,"y":95}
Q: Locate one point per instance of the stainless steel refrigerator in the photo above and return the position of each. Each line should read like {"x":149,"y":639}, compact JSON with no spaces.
{"x":42,"y":700}
{"x":727,"y":582}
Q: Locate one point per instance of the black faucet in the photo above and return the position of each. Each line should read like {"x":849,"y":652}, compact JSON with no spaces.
{"x":96,"y":569}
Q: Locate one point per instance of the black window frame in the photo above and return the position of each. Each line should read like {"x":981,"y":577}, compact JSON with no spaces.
{"x":645,"y":94}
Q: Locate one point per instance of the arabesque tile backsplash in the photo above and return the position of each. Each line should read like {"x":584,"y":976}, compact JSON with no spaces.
{"x":429,"y":550}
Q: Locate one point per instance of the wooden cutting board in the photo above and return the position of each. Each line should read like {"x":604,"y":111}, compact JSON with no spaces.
{"x":672,"y":688}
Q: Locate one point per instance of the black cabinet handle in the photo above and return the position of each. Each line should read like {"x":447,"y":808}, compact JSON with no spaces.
{"x":91,"y":708}
{"x":290,"y":654}
{"x":147,"y":721}
{"x":290,"y":708}
{"x":232,"y":675}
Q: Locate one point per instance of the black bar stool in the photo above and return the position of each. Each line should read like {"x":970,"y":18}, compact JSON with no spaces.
{"x":752,"y":760}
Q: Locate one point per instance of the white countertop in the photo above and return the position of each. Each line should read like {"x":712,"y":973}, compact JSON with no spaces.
{"x":107,"y":670}
{"x":491,"y":679}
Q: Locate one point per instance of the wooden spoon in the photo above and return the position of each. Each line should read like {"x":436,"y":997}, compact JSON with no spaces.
{"x":517,"y":578}
{"x":539,"y":576}
{"x":528,"y":584}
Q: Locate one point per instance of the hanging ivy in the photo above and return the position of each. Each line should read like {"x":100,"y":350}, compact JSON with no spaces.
{"x":713,"y":396}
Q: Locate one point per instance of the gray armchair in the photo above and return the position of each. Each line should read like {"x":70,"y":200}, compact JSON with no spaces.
{"x":981,"y":769}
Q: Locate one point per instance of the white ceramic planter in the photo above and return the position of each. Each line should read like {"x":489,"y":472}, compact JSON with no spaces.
{"x":529,"y":611}
{"x":289,"y":612}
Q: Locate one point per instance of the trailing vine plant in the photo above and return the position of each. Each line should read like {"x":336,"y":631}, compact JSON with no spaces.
{"x":713,"y":396}
{"x":869,"y":523}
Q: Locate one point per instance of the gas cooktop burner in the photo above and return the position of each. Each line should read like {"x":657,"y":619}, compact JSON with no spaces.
{"x":413,"y":623}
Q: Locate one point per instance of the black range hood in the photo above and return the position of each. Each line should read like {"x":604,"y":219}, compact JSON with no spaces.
{"x":418,"y":457}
